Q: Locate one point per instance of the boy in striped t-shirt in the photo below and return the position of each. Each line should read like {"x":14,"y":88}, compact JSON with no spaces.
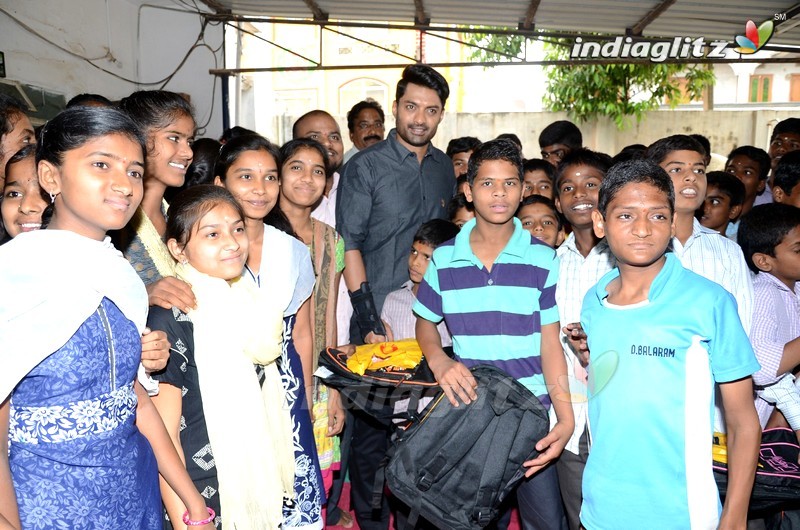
{"x":494,"y":285}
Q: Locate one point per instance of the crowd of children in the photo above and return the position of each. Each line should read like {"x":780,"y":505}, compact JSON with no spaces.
{"x":645,"y":302}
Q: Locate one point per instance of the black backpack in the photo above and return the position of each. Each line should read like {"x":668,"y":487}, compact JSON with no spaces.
{"x":454,"y":466}
{"x":777,"y":481}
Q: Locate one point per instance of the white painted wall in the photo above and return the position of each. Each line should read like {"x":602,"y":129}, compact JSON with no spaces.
{"x":141,"y":42}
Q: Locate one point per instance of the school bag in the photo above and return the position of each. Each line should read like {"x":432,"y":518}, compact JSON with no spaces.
{"x":777,"y":479}
{"x":455,"y":465}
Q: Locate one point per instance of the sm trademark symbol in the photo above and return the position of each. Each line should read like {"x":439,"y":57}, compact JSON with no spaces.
{"x":780,"y":16}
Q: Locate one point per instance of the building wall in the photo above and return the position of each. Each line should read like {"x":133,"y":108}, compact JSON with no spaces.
{"x":141,"y":44}
{"x":726,"y":129}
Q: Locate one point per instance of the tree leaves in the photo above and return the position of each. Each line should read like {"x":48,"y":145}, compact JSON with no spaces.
{"x":618,"y":91}
{"x":586,"y":91}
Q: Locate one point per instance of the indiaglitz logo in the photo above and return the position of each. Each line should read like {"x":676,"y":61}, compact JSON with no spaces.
{"x":677,"y":48}
{"x":656,"y":51}
{"x":754,"y":38}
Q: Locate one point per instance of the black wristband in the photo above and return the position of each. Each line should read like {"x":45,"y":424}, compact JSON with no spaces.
{"x":365,"y":312}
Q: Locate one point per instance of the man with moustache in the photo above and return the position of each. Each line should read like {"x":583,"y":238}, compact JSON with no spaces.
{"x":385,"y":193}
{"x":365,"y":121}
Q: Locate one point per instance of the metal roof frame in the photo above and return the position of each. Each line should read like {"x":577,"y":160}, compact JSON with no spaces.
{"x":224,"y":11}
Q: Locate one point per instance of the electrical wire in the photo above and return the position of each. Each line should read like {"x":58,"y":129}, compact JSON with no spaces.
{"x":163,"y":82}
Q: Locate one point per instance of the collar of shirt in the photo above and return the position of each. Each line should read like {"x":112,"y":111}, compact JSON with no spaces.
{"x":672,"y":267}
{"x":517,"y":245}
{"x":402,"y":152}
{"x":698,"y":230}
{"x":767,"y":277}
{"x":408,"y":286}
{"x":569,"y":246}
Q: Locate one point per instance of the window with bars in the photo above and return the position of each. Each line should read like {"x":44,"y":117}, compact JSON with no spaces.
{"x":760,"y":88}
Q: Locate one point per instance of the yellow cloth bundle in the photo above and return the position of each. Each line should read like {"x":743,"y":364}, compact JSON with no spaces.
{"x":399,"y":355}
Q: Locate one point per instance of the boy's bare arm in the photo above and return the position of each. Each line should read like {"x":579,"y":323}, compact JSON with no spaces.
{"x":554,"y":368}
{"x":790,"y":358}
{"x":454,"y":378}
{"x":744,"y":438}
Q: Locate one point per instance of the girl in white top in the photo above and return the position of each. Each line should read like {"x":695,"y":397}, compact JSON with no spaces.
{"x":281,"y":267}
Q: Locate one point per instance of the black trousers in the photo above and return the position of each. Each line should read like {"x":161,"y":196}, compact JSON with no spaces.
{"x":367,"y":448}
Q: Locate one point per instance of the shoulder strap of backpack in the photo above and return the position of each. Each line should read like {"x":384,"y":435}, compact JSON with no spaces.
{"x":489,"y":487}
{"x":453,"y":450}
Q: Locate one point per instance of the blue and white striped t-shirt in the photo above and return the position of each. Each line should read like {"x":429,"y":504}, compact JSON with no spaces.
{"x":495,"y":317}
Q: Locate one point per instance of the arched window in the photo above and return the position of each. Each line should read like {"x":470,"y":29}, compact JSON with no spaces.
{"x":362,"y":88}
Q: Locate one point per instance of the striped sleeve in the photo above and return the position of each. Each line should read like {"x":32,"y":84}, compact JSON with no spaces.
{"x":547,"y":301}
{"x":429,"y":297}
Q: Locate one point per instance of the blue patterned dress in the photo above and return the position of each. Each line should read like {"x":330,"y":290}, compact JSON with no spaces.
{"x":76,"y":457}
{"x":306,"y":510}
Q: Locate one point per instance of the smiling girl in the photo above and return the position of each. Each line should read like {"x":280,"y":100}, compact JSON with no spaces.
{"x":233,"y":430}
{"x":81,"y":445}
{"x":23,"y":201}
{"x":166,"y":119}
{"x":304,"y":166}
{"x":281,"y":267}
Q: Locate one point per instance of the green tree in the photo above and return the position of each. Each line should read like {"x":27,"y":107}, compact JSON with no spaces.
{"x":586,"y":91}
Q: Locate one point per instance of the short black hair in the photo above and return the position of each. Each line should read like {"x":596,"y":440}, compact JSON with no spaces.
{"x":629,"y":152}
{"x":11,"y":110}
{"x":435,"y":232}
{"x":236,"y":146}
{"x":705,"y":142}
{"x":539,"y":164}
{"x":789,"y":125}
{"x":191,"y":205}
{"x":658,"y":150}
{"x":541,"y":199}
{"x":632,"y":172}
{"x":458,"y":201}
{"x":759,"y":156}
{"x":89,"y":99}
{"x":787,"y":172}
{"x":423,"y":75}
{"x":583,"y":157}
{"x":763,"y":228}
{"x":494,"y":150}
{"x":728,"y":184}
{"x":234,"y":132}
{"x":511,"y":136}
{"x":461,"y":179}
{"x":561,"y":132}
{"x":463,"y":144}
{"x":353,"y":113}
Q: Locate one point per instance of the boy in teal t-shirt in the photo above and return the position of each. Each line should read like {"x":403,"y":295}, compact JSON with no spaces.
{"x":660,"y":337}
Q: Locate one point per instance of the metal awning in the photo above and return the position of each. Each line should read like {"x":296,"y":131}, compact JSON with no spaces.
{"x":712,"y":19}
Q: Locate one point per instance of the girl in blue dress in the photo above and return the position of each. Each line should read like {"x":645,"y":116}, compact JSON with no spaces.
{"x":81,"y":445}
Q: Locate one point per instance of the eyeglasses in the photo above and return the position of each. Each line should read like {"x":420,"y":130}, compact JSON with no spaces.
{"x":364,"y":125}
